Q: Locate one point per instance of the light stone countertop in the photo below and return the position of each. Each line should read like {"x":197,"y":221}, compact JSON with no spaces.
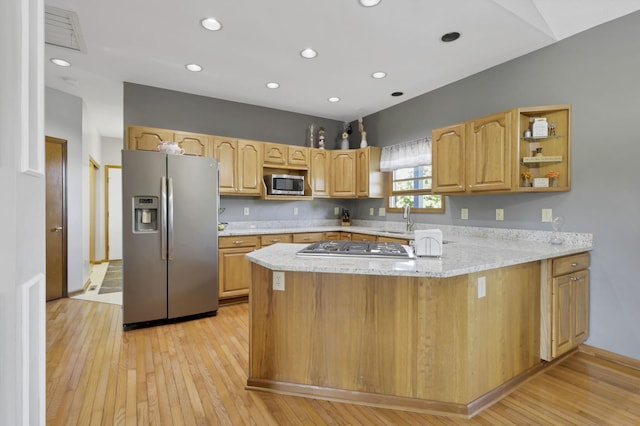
{"x":469,"y":250}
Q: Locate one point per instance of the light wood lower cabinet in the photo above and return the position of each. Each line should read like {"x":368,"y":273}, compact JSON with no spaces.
{"x":363,"y":237}
{"x":234,"y":270}
{"x":267,"y":240}
{"x":565,"y":304}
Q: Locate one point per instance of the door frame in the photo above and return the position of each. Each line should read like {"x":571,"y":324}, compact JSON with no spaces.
{"x":93,"y":179}
{"x":106,"y":209}
{"x":65,"y":209}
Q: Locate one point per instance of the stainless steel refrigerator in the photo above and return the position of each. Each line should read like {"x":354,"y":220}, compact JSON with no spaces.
{"x":170,"y":237}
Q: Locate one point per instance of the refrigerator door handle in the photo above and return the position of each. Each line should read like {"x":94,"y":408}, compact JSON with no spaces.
{"x":163,"y":249}
{"x":170,"y":227}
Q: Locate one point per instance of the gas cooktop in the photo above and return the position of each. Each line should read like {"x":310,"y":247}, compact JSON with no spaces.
{"x":357,"y":248}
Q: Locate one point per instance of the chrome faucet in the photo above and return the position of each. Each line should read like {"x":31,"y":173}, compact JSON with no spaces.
{"x":407,"y":215}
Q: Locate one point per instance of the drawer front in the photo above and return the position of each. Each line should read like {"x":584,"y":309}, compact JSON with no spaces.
{"x":331,"y":235}
{"x":267,"y":240}
{"x":309,"y":237}
{"x":239,"y":241}
{"x":363,"y":237}
{"x":569,"y":264}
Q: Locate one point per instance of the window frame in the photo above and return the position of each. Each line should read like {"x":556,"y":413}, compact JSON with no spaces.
{"x":389,"y":192}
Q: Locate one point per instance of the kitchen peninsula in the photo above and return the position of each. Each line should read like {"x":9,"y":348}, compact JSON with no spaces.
{"x":443,"y":335}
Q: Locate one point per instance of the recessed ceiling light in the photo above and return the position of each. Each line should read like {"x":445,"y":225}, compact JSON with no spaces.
{"x":396,"y":94}
{"x":61,"y":62}
{"x":193,"y":67}
{"x":449,"y":37}
{"x":379,"y":74}
{"x":272,"y":85}
{"x":211,"y":24}
{"x":369,"y":3}
{"x":308,"y":53}
{"x":334,"y":99}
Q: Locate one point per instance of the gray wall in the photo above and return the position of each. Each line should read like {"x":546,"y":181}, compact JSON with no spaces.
{"x":63,"y":119}
{"x":596,"y":71}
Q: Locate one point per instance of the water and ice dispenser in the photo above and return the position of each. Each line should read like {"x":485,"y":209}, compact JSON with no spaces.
{"x":145,"y":214}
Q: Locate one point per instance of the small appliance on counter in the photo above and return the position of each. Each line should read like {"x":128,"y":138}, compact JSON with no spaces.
{"x":428,"y":242}
{"x":346,"y":218}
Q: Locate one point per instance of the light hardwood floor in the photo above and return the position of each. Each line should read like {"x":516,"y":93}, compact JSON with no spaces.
{"x":194,"y":373}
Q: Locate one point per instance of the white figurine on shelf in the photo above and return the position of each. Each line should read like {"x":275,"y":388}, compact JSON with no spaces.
{"x":363,"y":142}
{"x":321,"y":138}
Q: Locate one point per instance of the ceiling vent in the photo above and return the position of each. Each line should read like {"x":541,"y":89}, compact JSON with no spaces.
{"x":62,"y":29}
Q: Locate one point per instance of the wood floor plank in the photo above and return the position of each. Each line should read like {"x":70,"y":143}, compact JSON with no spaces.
{"x":195,"y":372}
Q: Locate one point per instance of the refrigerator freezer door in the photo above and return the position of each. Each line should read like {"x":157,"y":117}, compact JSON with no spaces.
{"x":193,"y":235}
{"x":144,"y":292}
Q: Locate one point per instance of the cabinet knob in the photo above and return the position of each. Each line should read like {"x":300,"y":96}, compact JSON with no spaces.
{"x":574,"y":264}
{"x":275,"y":240}
{"x":238,"y":242}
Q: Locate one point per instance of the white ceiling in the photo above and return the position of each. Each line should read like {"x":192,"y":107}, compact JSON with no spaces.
{"x":150,"y":41}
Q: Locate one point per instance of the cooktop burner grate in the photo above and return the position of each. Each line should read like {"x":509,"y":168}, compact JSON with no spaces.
{"x":356,"y":248}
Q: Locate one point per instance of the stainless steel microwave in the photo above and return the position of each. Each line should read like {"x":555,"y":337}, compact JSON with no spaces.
{"x":284,"y":184}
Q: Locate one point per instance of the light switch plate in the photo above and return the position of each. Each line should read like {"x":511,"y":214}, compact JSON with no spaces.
{"x":295,"y":211}
{"x":547,"y":215}
{"x":464,"y":214}
{"x":278,"y":280}
{"x":499,"y":214}
{"x":381,"y":211}
{"x":336,"y":211}
{"x":246,"y":211}
{"x":371,"y":211}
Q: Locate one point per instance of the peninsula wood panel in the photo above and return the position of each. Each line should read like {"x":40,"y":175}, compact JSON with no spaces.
{"x":425,"y":338}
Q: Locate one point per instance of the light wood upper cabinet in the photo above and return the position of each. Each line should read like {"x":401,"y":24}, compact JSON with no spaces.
{"x":370,"y":180}
{"x":319,"y":172}
{"x":240,"y":164}
{"x":343,"y":174}
{"x":493,"y":154}
{"x":488,"y":153}
{"x":449,"y":169}
{"x":285,"y":156}
{"x":249,"y":167}
{"x":147,"y":138}
{"x":195,"y":143}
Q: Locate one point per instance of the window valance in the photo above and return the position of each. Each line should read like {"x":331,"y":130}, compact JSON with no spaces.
{"x":406,"y":154}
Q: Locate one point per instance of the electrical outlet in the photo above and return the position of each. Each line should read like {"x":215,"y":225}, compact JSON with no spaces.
{"x":371,"y":211}
{"x":295,"y":211}
{"x":499,"y":214}
{"x":547,"y":215}
{"x":336,"y":211}
{"x":464,"y":214}
{"x":482,"y":287}
{"x":246,"y":211}
{"x":278,"y":280}
{"x":381,"y":211}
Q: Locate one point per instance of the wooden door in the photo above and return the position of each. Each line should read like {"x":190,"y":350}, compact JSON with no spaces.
{"x":226,"y":152}
{"x":147,"y":138}
{"x":448,"y":159}
{"x":249,"y":167}
{"x":56,"y":217}
{"x":343,"y":173}
{"x":234,"y":271}
{"x":194,"y":143}
{"x":563,"y":314}
{"x":488,"y":148}
{"x":319,"y":172}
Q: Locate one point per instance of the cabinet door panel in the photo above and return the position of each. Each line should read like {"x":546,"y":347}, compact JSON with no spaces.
{"x":581,"y":302}
{"x":249,"y":167}
{"x":448,"y":154}
{"x":562,"y":315}
{"x":488,"y":151}
{"x":225,"y":150}
{"x":194,"y":143}
{"x":147,"y":138}
{"x":298,"y":156}
{"x":275,"y":154}
{"x":343,"y":173}
{"x":234,"y":272}
{"x":319,"y":173}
